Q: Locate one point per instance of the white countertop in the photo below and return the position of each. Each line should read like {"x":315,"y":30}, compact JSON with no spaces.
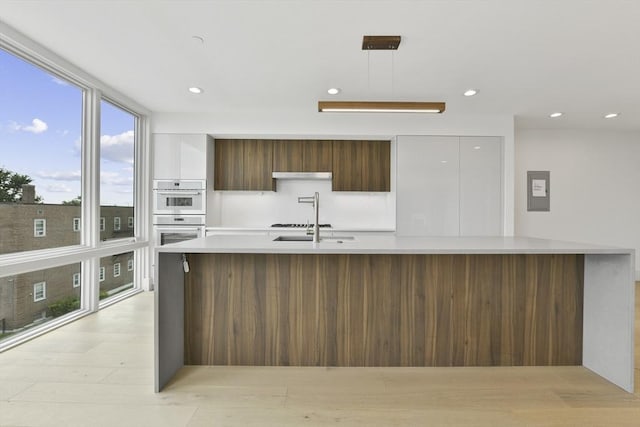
{"x":302,"y":230}
{"x":389,"y":245}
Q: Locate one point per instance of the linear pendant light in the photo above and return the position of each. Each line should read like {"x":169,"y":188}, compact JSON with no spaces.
{"x":380,"y":107}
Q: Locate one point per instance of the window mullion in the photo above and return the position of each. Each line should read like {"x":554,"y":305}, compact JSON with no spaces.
{"x":91,"y":196}
{"x":142,"y":218}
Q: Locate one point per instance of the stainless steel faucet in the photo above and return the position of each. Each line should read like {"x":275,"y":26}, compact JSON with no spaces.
{"x":315,"y":201}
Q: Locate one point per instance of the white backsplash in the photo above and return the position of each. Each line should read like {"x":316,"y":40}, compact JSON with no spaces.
{"x":355,"y":210}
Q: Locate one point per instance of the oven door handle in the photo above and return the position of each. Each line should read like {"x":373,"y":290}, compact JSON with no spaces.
{"x":180,"y":193}
{"x":180,"y":229}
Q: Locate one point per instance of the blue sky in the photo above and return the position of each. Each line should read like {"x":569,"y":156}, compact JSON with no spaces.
{"x":40,"y":135}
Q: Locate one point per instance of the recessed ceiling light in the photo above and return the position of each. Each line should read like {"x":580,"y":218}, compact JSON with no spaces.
{"x":333,"y":91}
{"x":470,"y":92}
{"x":556,"y":114}
{"x":611,"y":115}
{"x":195,"y":89}
{"x":443,"y":161}
{"x":477,"y":147}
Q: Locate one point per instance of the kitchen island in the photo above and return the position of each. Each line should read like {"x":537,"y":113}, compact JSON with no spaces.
{"x":391,"y":301}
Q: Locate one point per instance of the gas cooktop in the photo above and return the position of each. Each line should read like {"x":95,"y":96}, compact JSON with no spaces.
{"x":299,"y":225}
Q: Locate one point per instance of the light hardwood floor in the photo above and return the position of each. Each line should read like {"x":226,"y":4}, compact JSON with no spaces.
{"x":98,"y":372}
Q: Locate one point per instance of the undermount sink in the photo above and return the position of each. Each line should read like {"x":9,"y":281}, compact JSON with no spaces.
{"x":337,"y":239}
{"x":293,"y":239}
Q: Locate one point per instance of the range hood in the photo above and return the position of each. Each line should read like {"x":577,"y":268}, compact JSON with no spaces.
{"x":302,"y":175}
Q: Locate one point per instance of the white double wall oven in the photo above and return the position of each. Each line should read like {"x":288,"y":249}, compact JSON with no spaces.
{"x":179,"y":208}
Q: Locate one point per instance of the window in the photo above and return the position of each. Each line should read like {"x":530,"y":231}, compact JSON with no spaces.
{"x":121,"y":280}
{"x":48,"y":146}
{"x":39,"y":291}
{"x":117,"y":165}
{"x":20,"y":308}
{"x":76,"y":280}
{"x":130,"y":222}
{"x":39,"y":227}
{"x":130,"y":265}
{"x":40,"y":155}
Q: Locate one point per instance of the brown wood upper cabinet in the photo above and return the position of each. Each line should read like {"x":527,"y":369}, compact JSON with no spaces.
{"x":361,"y":166}
{"x":302,"y":156}
{"x":247,"y":164}
{"x":243,"y":164}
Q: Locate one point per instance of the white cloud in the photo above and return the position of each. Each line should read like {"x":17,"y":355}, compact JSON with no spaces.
{"x":77,"y":145}
{"x":59,"y":81}
{"x":37,"y":126}
{"x":58,"y":188}
{"x":124,"y":191}
{"x":62,"y":132}
{"x":114,"y":178}
{"x":118,"y":148}
{"x":61,"y":175}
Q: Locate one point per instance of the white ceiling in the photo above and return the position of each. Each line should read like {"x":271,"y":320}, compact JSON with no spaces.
{"x":526,"y":58}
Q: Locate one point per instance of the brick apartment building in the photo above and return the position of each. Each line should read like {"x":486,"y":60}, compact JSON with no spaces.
{"x":30,"y":298}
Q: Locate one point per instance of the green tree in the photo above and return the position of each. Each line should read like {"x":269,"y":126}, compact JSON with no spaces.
{"x":73,"y":202}
{"x":11,"y":186}
{"x":64,"y":306}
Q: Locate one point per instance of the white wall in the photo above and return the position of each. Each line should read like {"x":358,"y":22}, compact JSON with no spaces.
{"x":595,"y":186}
{"x":364,"y":211}
{"x":311,"y":124}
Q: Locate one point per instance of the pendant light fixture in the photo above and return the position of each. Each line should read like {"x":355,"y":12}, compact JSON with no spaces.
{"x":381,"y":43}
{"x":380,"y":107}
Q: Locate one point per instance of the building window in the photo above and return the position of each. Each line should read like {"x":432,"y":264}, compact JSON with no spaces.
{"x":101,"y":276}
{"x":116,"y":223}
{"x":39,"y":227}
{"x":116,"y":269}
{"x":102,"y":222}
{"x":76,"y":280}
{"x":130,"y":265}
{"x":76,"y":224}
{"x":39,"y":291}
{"x":130,"y":222}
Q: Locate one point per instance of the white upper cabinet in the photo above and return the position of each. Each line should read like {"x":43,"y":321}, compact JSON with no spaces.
{"x":427,"y":186}
{"x":179,"y":156}
{"x":480,"y":186}
{"x":448,"y":186}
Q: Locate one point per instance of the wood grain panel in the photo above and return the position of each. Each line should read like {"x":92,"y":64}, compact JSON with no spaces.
{"x":361,"y":165}
{"x":287,"y":156}
{"x":302,"y":156}
{"x":377,"y":166}
{"x":317,"y":156}
{"x":258,"y":165}
{"x":384,"y":310}
{"x":347,"y":166}
{"x":229,"y":164}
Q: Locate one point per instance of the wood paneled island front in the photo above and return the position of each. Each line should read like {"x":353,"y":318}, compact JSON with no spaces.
{"x":386,"y":301}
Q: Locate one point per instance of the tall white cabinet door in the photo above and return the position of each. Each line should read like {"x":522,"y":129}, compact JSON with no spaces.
{"x":179,"y":156}
{"x":480,"y":186}
{"x":427,"y":186}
